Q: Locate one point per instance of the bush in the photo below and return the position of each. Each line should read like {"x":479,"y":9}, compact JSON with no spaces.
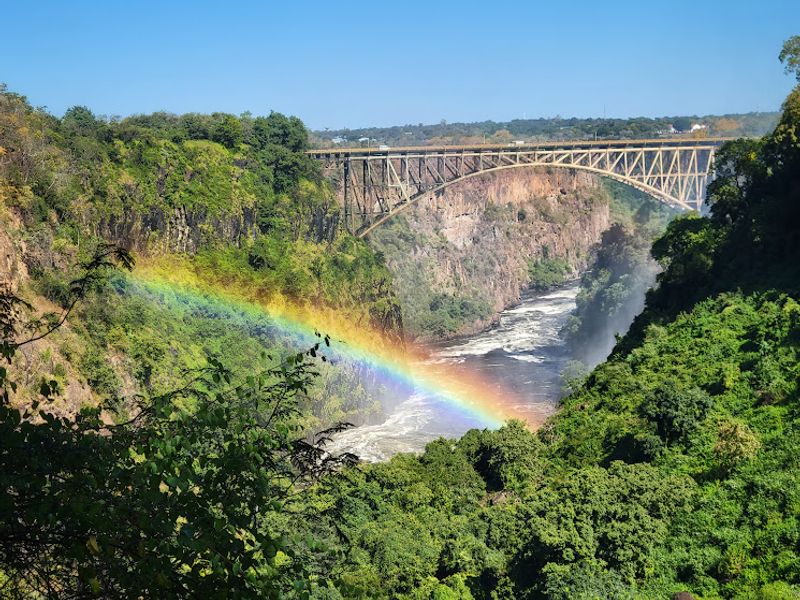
{"x":736,"y":443}
{"x":99,"y":374}
{"x":54,"y":287}
{"x":548,"y":272}
{"x":676,"y":413}
{"x":448,"y":313}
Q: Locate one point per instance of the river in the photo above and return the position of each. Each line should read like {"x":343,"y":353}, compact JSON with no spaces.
{"x":524,"y":353}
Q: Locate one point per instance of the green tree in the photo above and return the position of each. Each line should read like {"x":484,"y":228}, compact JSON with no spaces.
{"x":682,"y":123}
{"x":790,"y":56}
{"x":196,"y":126}
{"x":675,"y":412}
{"x":736,"y":442}
{"x":228,"y":131}
{"x":736,"y":166}
{"x":280,"y":130}
{"x":686,"y":253}
{"x":79,"y":120}
{"x":610,"y":519}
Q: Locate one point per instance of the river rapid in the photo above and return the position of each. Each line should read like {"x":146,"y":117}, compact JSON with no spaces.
{"x":524,"y":353}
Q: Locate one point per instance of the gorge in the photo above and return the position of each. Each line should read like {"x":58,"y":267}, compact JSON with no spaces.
{"x":213,"y":386}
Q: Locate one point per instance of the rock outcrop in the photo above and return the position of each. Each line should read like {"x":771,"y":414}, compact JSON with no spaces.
{"x":164,"y":229}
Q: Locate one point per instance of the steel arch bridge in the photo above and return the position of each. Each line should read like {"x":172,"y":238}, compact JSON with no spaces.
{"x":378,"y":183}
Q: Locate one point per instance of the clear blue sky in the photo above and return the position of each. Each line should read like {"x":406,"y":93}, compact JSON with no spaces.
{"x":352,"y":63}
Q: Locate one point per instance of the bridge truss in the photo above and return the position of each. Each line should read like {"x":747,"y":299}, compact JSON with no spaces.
{"x":376,"y":184}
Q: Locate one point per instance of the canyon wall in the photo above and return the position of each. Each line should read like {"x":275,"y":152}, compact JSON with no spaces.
{"x":461,"y":258}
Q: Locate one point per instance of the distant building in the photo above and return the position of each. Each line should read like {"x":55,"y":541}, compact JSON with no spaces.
{"x":383,"y":147}
{"x":698,"y":127}
{"x":518,"y":142}
{"x":339,"y":139}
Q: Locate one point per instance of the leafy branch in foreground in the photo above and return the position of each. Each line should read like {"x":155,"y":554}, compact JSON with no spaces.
{"x":174,"y":501}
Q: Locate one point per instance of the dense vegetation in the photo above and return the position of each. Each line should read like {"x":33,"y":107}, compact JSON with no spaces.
{"x":173,"y":499}
{"x":215,"y":203}
{"x":556,"y":128}
{"x":674,"y":466}
{"x":548,"y":272}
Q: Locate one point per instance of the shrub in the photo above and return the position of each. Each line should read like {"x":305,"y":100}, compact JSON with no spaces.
{"x":548,"y":272}
{"x":99,"y":374}
{"x":675,"y":412}
{"x":736,"y":443}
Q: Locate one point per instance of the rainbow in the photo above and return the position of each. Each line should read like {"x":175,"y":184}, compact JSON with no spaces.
{"x":461,"y":392}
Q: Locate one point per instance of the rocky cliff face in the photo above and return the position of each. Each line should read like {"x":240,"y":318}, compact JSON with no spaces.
{"x":462,"y":258}
{"x":162,"y":229}
{"x":12,"y":268}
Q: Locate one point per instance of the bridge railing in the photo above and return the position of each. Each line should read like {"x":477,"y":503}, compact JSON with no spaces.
{"x":566,"y":145}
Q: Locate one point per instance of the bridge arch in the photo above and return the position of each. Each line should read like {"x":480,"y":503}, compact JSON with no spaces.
{"x":414,"y":200}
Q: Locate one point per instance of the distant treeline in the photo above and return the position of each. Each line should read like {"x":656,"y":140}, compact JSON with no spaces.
{"x":552,"y":128}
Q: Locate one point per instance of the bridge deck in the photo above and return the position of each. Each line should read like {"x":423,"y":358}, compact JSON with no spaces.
{"x":565,"y":145}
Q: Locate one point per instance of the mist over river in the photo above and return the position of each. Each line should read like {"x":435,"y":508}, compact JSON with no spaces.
{"x":523,"y":353}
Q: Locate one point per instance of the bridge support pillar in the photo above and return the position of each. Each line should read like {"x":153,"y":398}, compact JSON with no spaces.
{"x":349,"y":213}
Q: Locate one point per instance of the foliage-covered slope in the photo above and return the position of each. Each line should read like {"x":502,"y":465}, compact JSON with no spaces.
{"x":674,"y":467}
{"x":145,"y":442}
{"x":218,"y":203}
